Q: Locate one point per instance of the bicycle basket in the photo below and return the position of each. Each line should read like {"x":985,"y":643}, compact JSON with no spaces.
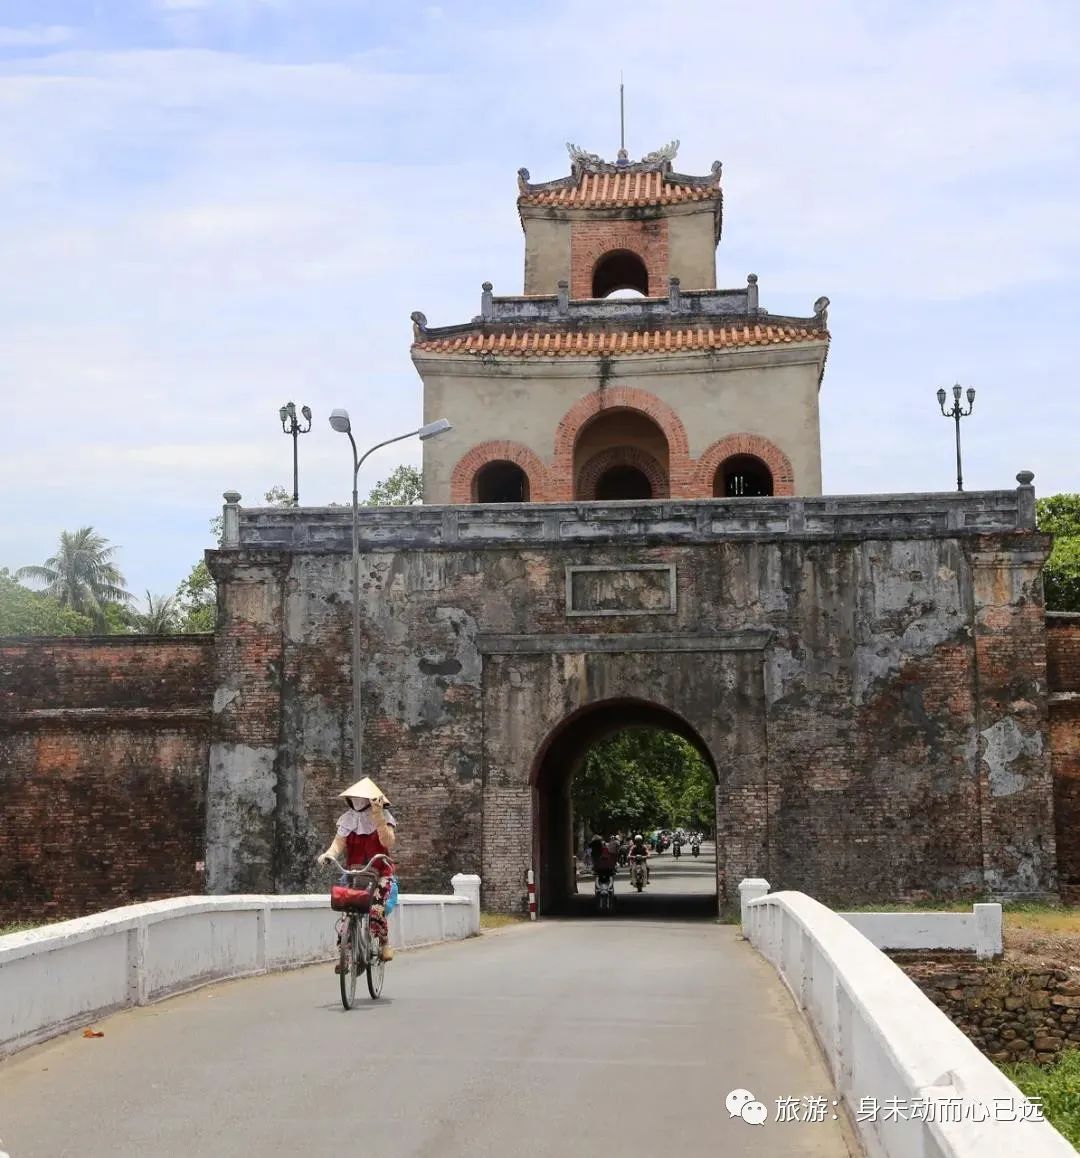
{"x":344,"y":899}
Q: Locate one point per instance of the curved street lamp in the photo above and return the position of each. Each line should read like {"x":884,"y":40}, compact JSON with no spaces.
{"x":339,"y":421}
{"x":956,"y":412}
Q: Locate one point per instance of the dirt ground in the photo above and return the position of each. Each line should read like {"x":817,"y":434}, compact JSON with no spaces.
{"x":1043,"y":939}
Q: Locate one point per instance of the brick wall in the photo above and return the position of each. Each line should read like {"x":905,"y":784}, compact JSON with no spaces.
{"x":103,"y":748}
{"x":882,"y":735}
{"x":590,"y":240}
{"x":1063,"y":671}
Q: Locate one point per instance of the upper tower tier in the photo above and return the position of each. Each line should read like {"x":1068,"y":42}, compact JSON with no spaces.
{"x":620,"y":224}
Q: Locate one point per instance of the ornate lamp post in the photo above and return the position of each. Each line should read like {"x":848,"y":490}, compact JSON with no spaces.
{"x":290,"y":425}
{"x":339,"y":421}
{"x":956,"y":412}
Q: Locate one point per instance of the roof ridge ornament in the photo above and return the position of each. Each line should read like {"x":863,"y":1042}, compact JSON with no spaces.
{"x":593,"y":163}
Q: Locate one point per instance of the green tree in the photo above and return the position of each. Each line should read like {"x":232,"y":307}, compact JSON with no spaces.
{"x":403,"y":488}
{"x":161,"y":617}
{"x":26,"y":612}
{"x":1060,"y":516}
{"x":196,"y":600}
{"x":644,"y":778}
{"x":81,"y":575}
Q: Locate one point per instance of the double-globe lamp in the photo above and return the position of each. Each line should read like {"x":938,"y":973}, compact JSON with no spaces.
{"x":339,"y":421}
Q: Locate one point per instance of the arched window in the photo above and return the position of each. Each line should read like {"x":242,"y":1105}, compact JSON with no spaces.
{"x":623,"y":482}
{"x":742,"y":476}
{"x":501,"y":482}
{"x":620,"y":269}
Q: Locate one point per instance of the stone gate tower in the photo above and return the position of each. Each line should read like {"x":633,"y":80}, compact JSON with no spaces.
{"x":622,"y":372}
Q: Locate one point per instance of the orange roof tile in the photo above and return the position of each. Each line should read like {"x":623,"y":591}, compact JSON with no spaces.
{"x":615,"y":190}
{"x":588,"y":344}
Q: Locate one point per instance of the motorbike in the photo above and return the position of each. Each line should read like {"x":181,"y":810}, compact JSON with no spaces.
{"x":676,"y":850}
{"x":695,"y":848}
{"x":605,"y":892}
{"x":624,"y":856}
{"x":637,"y":872}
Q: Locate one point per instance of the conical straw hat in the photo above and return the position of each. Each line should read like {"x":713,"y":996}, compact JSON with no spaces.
{"x":365,"y":789}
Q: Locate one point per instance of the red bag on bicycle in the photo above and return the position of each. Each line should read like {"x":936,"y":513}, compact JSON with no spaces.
{"x":347,"y":900}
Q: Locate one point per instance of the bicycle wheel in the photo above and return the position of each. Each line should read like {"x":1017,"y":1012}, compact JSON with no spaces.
{"x":347,"y":961}
{"x":376,"y":966}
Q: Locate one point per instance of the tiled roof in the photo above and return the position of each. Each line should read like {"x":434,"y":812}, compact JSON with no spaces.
{"x":615,"y":190}
{"x":592,"y":343}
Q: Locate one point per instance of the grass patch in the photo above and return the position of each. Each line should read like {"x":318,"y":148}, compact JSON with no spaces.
{"x":18,"y":927}
{"x":500,"y":920}
{"x":1059,"y":1088}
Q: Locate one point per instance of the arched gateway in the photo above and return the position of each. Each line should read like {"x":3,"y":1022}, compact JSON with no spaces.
{"x":560,"y":759}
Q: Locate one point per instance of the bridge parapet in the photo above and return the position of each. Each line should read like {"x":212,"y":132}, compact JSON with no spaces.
{"x":659,"y":521}
{"x":63,"y":976}
{"x":884,"y":1039}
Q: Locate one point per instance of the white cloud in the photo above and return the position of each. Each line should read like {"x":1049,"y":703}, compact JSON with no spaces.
{"x":193,"y":236}
{"x":35,"y":35}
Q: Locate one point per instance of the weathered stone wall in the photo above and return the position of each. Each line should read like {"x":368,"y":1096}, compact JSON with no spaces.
{"x":103,"y":751}
{"x":1008,"y":1011}
{"x":868,"y":676}
{"x":1063,"y":666}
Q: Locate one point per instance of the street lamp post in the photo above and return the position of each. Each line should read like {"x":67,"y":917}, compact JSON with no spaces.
{"x":339,"y":421}
{"x":290,"y":425}
{"x":956,"y":412}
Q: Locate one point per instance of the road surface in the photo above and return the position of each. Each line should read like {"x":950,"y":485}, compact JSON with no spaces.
{"x":561,"y":1039}
{"x":683,"y":887}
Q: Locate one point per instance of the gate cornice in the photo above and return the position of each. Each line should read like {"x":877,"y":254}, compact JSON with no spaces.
{"x":745,"y":639}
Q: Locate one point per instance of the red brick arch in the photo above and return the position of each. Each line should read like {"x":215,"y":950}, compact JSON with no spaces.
{"x":634,"y":456}
{"x":681,"y":474}
{"x":770,"y":454}
{"x":497,"y":450}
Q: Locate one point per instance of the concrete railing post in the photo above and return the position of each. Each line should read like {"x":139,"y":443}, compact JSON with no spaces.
{"x":468,"y":885}
{"x":230,"y":520}
{"x":136,"y":960}
{"x":487,"y":302}
{"x":988,"y":934}
{"x":749,"y":890}
{"x":1025,"y":501}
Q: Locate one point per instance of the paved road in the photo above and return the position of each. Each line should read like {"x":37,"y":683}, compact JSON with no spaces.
{"x":683,"y":886}
{"x":563,"y":1038}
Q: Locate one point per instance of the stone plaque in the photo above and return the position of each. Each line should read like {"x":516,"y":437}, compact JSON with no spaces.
{"x":645,"y":589}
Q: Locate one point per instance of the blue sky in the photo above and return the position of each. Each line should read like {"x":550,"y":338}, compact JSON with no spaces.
{"x":208,"y":207}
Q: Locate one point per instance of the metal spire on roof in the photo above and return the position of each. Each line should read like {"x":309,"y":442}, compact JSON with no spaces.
{"x":623,"y":158}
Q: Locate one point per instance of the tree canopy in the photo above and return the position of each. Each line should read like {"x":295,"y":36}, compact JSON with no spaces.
{"x":81,"y":575}
{"x":1060,"y":516}
{"x":27,"y":612}
{"x":644,"y":778}
{"x":404,"y":487}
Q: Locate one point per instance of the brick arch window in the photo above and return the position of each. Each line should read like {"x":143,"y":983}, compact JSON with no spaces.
{"x":619,"y":269}
{"x":476,"y":471}
{"x":591,"y":241}
{"x":740,"y":455}
{"x":500,"y":482}
{"x":599,"y":477}
{"x":680,"y":467}
{"x":742,"y":476}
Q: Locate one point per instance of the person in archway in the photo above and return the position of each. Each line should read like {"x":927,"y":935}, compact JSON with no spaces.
{"x":364,"y":830}
{"x":640,"y":849}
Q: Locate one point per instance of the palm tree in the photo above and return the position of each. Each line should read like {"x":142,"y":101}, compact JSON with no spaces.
{"x":81,"y":575}
{"x":161,"y":617}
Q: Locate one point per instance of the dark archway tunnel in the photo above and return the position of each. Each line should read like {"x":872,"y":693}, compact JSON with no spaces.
{"x":558,"y":891}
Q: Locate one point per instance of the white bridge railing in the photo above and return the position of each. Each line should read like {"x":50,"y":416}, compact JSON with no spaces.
{"x":884,"y":1039}
{"x":63,"y":976}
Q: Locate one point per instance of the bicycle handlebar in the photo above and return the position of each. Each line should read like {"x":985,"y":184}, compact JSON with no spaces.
{"x":365,"y":870}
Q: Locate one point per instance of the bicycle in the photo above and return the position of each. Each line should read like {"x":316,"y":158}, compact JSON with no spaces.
{"x":358,"y":950}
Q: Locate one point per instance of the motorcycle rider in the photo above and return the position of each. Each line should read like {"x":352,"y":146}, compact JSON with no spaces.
{"x":640,"y":849}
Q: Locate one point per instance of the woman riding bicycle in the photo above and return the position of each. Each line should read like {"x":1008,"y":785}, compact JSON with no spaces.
{"x":364,"y":831}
